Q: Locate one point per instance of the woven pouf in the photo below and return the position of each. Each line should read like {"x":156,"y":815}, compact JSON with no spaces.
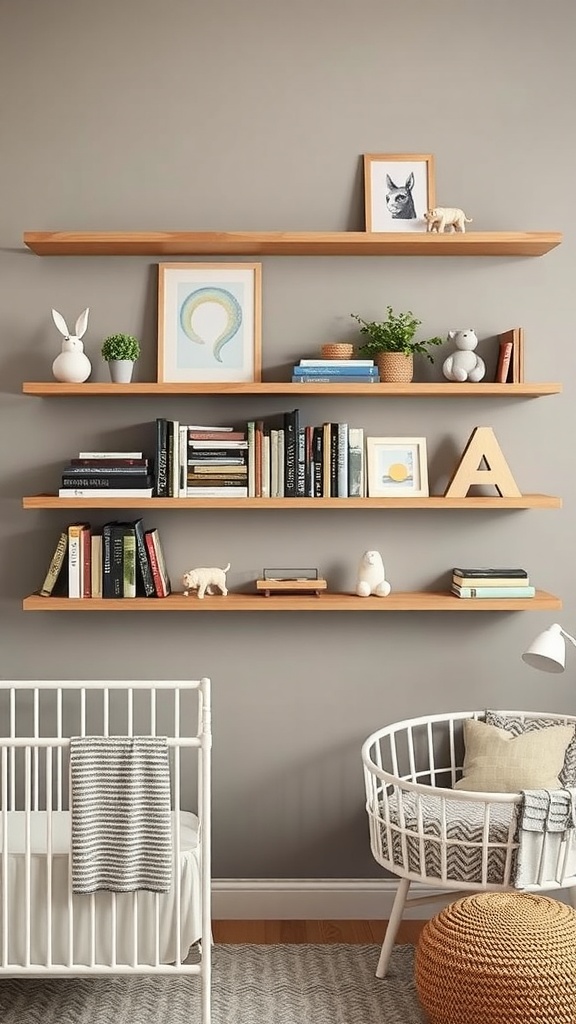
{"x":499,"y":958}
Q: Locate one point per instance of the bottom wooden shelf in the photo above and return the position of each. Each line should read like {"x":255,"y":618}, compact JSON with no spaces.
{"x":328,"y":602}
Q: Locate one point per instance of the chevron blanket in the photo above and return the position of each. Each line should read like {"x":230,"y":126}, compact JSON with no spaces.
{"x":546,"y":836}
{"x":465,"y":830}
{"x":120,"y":811}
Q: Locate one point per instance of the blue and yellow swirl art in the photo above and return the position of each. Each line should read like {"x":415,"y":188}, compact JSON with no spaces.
{"x":224,"y":299}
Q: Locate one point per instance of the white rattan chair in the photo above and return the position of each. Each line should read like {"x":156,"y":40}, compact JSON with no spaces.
{"x":422,"y":830}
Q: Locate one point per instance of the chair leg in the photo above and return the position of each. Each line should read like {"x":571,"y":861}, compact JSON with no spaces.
{"x":393,"y":925}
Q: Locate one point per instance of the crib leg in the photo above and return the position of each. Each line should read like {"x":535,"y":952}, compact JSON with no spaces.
{"x":393,"y":925}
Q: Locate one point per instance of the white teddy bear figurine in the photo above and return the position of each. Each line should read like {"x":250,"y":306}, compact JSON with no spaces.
{"x":205,"y":580}
{"x":464,"y":364}
{"x":371,"y":578}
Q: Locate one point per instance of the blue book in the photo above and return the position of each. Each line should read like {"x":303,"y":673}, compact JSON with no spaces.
{"x":335,"y":371}
{"x":336,"y":378}
{"x":493,"y":592}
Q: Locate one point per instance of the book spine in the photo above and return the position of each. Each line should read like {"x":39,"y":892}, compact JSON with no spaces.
{"x":129,"y":563}
{"x":343,"y":460}
{"x":218,"y":492}
{"x":107,"y":588}
{"x":250,"y":426}
{"x":156,"y":563}
{"x":504,"y":359}
{"x":291,"y":427}
{"x":144,"y":579}
{"x":109,"y":465}
{"x":217,"y":479}
{"x":86,"y":554}
{"x":341,"y":362}
{"x":494,"y":591}
{"x":309,"y":462}
{"x":117,"y":564}
{"x":98,"y":472}
{"x":216,"y":435}
{"x":55,"y":567}
{"x":281,"y":461}
{"x":161,"y":463}
{"x":326,"y":458}
{"x":335,"y":379}
{"x":356,"y":462}
{"x":265,"y":467}
{"x":301,"y":463}
{"x":74,"y":560}
{"x":333,"y":460}
{"x":335,"y":371}
{"x":117,"y":492}
{"x":182,"y":457}
{"x":106,"y":481}
{"x":318,"y":459}
{"x":96,"y":566}
{"x":504,"y":581}
{"x":489,"y":573}
{"x":110,"y":455}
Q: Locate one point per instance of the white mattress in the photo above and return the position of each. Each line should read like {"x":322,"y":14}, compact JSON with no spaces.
{"x":93,"y":911}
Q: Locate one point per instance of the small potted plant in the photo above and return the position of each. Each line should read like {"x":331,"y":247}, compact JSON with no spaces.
{"x":391,"y":343}
{"x":120,"y":352}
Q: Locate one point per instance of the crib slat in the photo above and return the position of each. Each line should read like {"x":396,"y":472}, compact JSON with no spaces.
{"x":27,"y":894}
{"x":49,"y":846}
{"x":35,"y":751}
{"x":176,"y":774}
{"x":59,"y":751}
{"x":12,"y":751}
{"x":5,"y":887}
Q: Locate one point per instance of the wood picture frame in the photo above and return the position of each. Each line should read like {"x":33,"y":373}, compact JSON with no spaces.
{"x":209,"y":322}
{"x":398,"y":190}
{"x":397,"y":467}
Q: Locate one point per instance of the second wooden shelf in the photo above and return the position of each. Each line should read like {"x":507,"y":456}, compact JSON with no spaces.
{"x":525,"y":501}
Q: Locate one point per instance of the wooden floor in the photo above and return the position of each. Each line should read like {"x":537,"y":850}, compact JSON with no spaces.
{"x":267,"y":932}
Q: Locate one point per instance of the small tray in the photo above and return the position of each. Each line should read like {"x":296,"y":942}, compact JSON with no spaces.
{"x":268,"y":587}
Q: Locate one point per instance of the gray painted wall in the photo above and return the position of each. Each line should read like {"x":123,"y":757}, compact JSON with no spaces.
{"x":180,"y":115}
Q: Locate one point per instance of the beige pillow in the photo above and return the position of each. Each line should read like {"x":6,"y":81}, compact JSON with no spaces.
{"x":495,"y":761}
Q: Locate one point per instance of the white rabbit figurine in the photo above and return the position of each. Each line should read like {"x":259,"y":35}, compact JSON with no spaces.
{"x":72,"y":366}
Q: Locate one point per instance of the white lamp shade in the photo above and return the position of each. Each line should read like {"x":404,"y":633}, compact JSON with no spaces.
{"x":548,"y":651}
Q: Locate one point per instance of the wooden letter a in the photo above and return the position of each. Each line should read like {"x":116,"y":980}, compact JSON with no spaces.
{"x":482,"y":445}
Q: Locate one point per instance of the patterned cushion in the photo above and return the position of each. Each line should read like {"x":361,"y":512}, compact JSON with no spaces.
{"x":495,"y":761}
{"x":517,"y":724}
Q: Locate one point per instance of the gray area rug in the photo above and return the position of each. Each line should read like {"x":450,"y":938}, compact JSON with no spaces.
{"x":278,"y":984}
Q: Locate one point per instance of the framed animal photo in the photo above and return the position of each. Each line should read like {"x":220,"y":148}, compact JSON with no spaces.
{"x":399,"y":188}
{"x":397,"y":467}
{"x":209,"y":322}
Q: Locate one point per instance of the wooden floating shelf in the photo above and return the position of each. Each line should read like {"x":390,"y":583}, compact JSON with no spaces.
{"x":290,"y":243}
{"x":525,"y":501}
{"x":408,"y":602}
{"x":433,"y":390}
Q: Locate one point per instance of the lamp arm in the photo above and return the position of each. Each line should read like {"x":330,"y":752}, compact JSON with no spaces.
{"x":567,"y":636}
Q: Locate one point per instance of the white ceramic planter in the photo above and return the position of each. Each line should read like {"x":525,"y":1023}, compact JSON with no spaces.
{"x":120,"y":370}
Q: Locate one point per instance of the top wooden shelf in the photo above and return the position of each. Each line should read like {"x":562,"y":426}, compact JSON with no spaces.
{"x":290,"y":243}
{"x":430,"y":390}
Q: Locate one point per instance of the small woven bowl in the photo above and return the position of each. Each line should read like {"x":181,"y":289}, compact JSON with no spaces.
{"x":338,"y":350}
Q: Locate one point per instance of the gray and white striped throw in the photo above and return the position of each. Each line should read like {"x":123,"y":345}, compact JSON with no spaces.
{"x":121,"y":823}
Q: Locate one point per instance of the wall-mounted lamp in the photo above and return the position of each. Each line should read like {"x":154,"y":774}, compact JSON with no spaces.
{"x":548,"y":651}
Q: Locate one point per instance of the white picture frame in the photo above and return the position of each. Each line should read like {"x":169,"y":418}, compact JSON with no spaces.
{"x":399,"y":188}
{"x":397,"y":467}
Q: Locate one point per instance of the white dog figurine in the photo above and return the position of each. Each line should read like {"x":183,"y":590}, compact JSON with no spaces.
{"x":446,"y":217}
{"x":206,"y":580}
{"x":371,"y":578}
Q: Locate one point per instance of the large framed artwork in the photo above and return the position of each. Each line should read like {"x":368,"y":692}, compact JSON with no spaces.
{"x":209,"y":322}
{"x":399,"y":188}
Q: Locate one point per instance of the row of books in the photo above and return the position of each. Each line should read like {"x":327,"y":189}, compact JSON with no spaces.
{"x":121,"y":559}
{"x":491,"y":583}
{"x":335,"y":371}
{"x":127,"y":474}
{"x":274,"y":457}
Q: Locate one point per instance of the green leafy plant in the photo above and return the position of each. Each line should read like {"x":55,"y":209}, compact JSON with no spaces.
{"x":396,"y":334}
{"x":120,"y":346}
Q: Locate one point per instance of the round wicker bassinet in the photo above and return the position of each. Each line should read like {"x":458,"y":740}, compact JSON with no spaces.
{"x":499,"y":958}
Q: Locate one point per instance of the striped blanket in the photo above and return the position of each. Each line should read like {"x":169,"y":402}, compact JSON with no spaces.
{"x":121,"y":821}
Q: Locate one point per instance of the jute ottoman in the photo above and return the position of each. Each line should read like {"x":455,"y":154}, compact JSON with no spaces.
{"x":499,"y":958}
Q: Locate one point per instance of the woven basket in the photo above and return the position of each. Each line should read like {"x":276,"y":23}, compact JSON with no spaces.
{"x":395,"y":367}
{"x":499,"y":958}
{"x":337,"y":350}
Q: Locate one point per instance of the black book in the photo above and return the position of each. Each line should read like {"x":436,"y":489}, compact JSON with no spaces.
{"x":161,"y":475}
{"x":301,"y":463}
{"x":490,"y":573}
{"x":334,"y":460}
{"x":291,"y":427}
{"x":108,"y":482}
{"x":144,"y":580}
{"x":107,"y":582}
{"x":106,"y":471}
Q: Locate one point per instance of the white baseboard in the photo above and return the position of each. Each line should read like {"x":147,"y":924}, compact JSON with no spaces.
{"x":313,"y":899}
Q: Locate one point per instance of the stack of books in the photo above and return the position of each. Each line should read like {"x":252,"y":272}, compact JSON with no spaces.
{"x":217,"y":463}
{"x":335,"y":371}
{"x":120,"y":560}
{"x":122,"y":474}
{"x":491,"y":583}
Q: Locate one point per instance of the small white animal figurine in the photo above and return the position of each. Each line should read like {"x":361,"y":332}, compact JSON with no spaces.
{"x":72,"y":366}
{"x":371,"y":578}
{"x":206,"y":580}
{"x":446,"y":217}
{"x":464,"y":364}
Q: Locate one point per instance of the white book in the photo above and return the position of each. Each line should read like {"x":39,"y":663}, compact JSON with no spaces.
{"x":274,"y":464}
{"x":337,"y":362}
{"x":182,"y":455}
{"x":266,"y":466}
{"x":217,"y":492}
{"x":115,"y":492}
{"x":342,"y":475}
{"x":218,"y":444}
{"x":281,"y":456}
{"x":110,"y":455}
{"x":250,"y":429}
{"x":75,"y":562}
{"x":197,"y":426}
{"x":96,"y":565}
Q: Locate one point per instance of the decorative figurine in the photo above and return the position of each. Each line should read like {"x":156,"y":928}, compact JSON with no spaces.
{"x":206,"y":581}
{"x":464,"y":364}
{"x":371,"y":578}
{"x":72,"y":366}
{"x":446,"y":217}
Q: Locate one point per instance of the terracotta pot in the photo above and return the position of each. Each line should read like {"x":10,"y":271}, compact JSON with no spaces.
{"x":395,"y":367}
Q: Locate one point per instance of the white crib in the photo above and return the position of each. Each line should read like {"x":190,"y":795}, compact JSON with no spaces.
{"x":47,"y":930}
{"x":423,"y":830}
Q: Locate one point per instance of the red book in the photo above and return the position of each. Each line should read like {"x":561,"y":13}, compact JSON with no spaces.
{"x":504,"y":360}
{"x":86,"y":556}
{"x":217,"y":435}
{"x":157,"y":563}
